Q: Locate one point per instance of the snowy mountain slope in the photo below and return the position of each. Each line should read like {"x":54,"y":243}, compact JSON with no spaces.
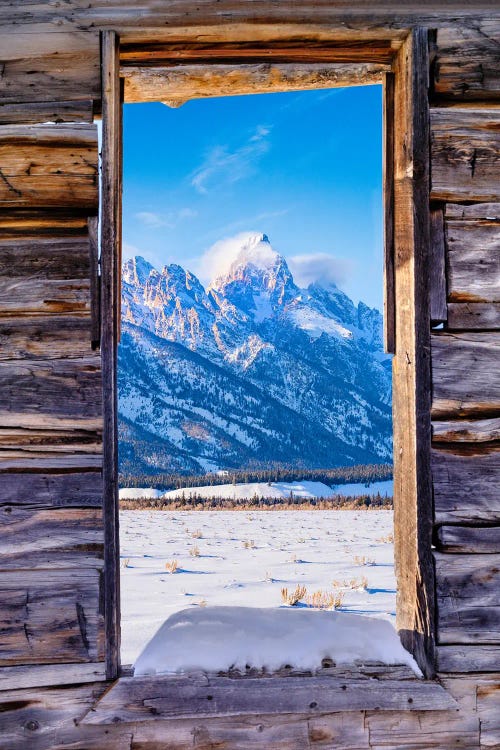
{"x":251,"y":370}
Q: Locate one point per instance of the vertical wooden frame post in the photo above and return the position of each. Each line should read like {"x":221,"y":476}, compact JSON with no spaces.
{"x":413,"y":512}
{"x":110,"y":290}
{"x":388,"y":182}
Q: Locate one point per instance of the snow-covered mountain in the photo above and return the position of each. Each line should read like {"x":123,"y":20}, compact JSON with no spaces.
{"x":250,"y":371}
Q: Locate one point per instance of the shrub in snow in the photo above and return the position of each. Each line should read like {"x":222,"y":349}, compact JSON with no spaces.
{"x":194,"y":551}
{"x":293,"y":597}
{"x":214,"y":639}
{"x":325,"y":599}
{"x":171,"y":566}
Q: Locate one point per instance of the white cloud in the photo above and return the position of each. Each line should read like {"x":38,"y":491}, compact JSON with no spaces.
{"x":222,"y":165}
{"x":320,"y":267}
{"x":217,"y":260}
{"x":169,"y":220}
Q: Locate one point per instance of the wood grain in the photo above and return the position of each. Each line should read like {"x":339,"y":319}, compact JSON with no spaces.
{"x":472,"y":431}
{"x":437,"y":264}
{"x":48,"y":166}
{"x":411,"y":364}
{"x":65,"y":490}
{"x":50,"y":617}
{"x":465,"y":379}
{"x":467,"y":62}
{"x":45,"y":337}
{"x":466,"y":485}
{"x":467,"y":588}
{"x":56,"y":258}
{"x":467,"y":539}
{"x":43,"y":675}
{"x":134,"y":699}
{"x":176,"y":84}
{"x":110,"y":273}
{"x":488,"y":211}
{"x":38,"y":112}
{"x":473,"y":260}
{"x":50,"y":539}
{"x":467,"y":659}
{"x":39,"y":67}
{"x":465,"y":154}
{"x":474,"y":316}
{"x":388,"y":179}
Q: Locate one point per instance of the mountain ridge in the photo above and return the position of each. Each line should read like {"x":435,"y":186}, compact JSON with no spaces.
{"x":249,"y":369}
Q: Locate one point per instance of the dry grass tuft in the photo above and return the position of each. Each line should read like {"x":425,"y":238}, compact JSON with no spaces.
{"x":249,"y":544}
{"x":198,"y":534}
{"x":171,"y":566}
{"x":325,"y":599}
{"x":293,"y":597}
{"x":126,"y":562}
{"x":389,"y":539}
{"x":194,"y":551}
{"x":363,"y":560}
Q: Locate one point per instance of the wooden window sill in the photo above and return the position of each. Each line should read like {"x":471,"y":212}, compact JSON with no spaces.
{"x":334,"y":690}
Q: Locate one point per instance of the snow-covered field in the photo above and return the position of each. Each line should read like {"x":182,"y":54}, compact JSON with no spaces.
{"x":242,"y":491}
{"x":241,"y":558}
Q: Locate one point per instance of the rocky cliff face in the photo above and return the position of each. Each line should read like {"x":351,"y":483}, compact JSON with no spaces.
{"x":250,"y":371}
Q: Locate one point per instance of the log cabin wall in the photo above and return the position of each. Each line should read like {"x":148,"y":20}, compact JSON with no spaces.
{"x":51,"y":555}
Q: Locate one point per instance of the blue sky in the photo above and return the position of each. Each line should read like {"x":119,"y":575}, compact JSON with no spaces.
{"x":303,"y":167}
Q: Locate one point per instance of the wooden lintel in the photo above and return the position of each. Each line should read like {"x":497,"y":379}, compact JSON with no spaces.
{"x":176,"y":84}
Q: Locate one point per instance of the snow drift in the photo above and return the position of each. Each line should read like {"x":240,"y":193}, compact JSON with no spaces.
{"x":214,"y":639}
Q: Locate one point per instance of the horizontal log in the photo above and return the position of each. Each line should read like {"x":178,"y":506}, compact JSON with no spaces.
{"x":23,"y":224}
{"x":30,"y":296}
{"x":468,"y":598}
{"x":45,"y":337}
{"x":46,"y":675}
{"x":465,"y":154}
{"x":467,"y":659}
{"x":466,"y":61}
{"x":55,"y":258}
{"x":465,"y":376}
{"x":469,"y":539}
{"x":36,"y":66}
{"x":466,"y":485}
{"x":473,"y":260}
{"x":69,"y":388}
{"x":47,"y":461}
{"x":175,"y":85}
{"x":50,"y":617}
{"x":134,"y":699}
{"x":40,"y":112}
{"x":66,"y":490}
{"x":60,"y":441}
{"x":477,"y":431}
{"x":43,"y":166}
{"x":61,"y":538}
{"x":488,"y":211}
{"x":473,"y":316}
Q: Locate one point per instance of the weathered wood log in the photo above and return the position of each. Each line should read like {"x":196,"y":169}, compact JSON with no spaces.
{"x":466,"y":485}
{"x":50,"y":617}
{"x":39,"y":112}
{"x":69,"y":388}
{"x":468,"y":539}
{"x":23,"y":224}
{"x":45,"y":675}
{"x":23,"y":296}
{"x":487,"y":211}
{"x":488,"y":708}
{"x":62,"y":538}
{"x":47,"y":461}
{"x":473,"y":260}
{"x":38,"y":67}
{"x":465,"y":380}
{"x":467,"y":63}
{"x":437,"y":264}
{"x":112,"y":136}
{"x":474,"y":316}
{"x":388,"y":179}
{"x":134,"y":699}
{"x":95,"y":283}
{"x":69,"y":441}
{"x":465,"y":154}
{"x":45,"y":337}
{"x":468,"y":659}
{"x":43,"y":166}
{"x":411,"y":365}
{"x":176,"y":84}
{"x":468,"y":600}
{"x":477,"y":431}
{"x":66,"y":490}
{"x":56,"y":258}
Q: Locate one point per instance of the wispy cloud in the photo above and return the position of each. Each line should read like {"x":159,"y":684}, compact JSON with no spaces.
{"x":223,"y":165}
{"x":131,"y":251}
{"x":170,"y":220}
{"x":320,"y":267}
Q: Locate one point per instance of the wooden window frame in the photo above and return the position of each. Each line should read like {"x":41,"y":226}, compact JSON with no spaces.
{"x":171,"y":73}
